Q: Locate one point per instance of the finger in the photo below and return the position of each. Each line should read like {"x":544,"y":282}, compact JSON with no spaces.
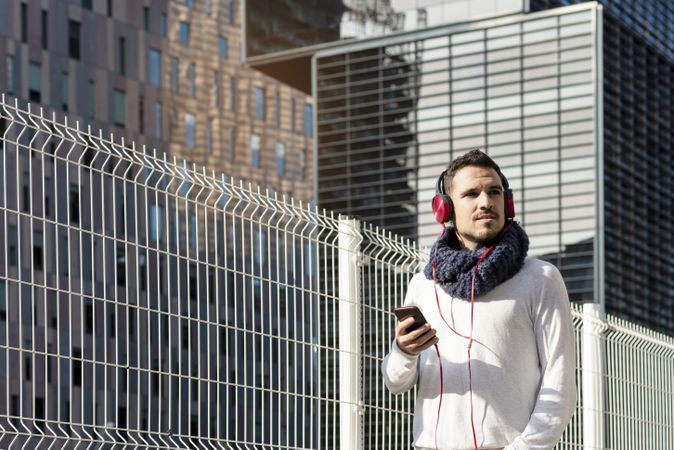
{"x":420,"y":331}
{"x":403,"y":325}
{"x":429,"y":343}
{"x":415,"y":343}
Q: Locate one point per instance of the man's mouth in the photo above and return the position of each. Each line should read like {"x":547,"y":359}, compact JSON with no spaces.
{"x":486,"y":217}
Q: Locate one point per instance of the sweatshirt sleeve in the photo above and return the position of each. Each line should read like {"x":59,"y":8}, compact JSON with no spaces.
{"x":400,"y":369}
{"x":555,"y":339}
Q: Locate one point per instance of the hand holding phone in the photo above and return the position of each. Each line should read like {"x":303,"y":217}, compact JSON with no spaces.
{"x":413,"y":337}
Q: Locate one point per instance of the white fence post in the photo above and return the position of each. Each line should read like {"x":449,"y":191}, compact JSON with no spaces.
{"x":349,"y":335}
{"x":592,"y":387}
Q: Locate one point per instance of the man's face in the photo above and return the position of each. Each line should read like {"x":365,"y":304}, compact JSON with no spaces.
{"x":477,"y":195}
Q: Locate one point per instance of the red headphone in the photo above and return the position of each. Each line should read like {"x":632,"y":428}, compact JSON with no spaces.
{"x":443,"y":209}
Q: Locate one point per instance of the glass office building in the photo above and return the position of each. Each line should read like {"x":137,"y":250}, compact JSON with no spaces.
{"x":392,"y":113}
{"x":638,"y":90}
{"x":573,"y":102}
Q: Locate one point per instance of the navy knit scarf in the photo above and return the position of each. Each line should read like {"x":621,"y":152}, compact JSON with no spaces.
{"x":454,"y":265}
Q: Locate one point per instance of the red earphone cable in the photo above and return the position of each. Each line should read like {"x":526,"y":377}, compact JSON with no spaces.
{"x":469,"y":337}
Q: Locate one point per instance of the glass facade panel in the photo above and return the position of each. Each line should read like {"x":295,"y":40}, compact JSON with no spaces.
{"x":190,"y":125}
{"x":255,"y":150}
{"x":155,"y":67}
{"x":119,"y":107}
{"x":184,"y":33}
{"x":519,"y":90}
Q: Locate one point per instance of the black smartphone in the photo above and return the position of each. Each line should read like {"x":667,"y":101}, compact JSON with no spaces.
{"x":403,"y":312}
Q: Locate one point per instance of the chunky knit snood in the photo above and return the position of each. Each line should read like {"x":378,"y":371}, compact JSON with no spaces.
{"x":454,"y":265}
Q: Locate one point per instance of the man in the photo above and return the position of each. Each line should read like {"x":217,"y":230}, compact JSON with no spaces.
{"x":500,"y":324}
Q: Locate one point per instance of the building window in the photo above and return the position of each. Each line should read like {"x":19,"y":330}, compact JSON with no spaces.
{"x":191,"y":79}
{"x":142,"y":272}
{"x":74,"y":39}
{"x":3,"y":300}
{"x":189,"y":3}
{"x":109,"y":8}
{"x":64,"y":254}
{"x":231,"y":142}
{"x":308,"y":120}
{"x":280,"y":158}
{"x":230,"y":11}
{"x":193,"y":231}
{"x":118,"y":108}
{"x":259,"y":103}
{"x":157,"y":119}
{"x":223,"y":47}
{"x":34,"y":82}
{"x":45,"y":29}
{"x":155,"y":67}
{"x":64,"y":92}
{"x":209,"y":7}
{"x":146,"y":18}
{"x":121,"y":268}
{"x":13,"y":243}
{"x":88,"y":316}
{"x":162,"y":25}
{"x":25,"y":194}
{"x":209,"y":135}
{"x":303,"y":164}
{"x":74,"y":204}
{"x":141,"y":114}
{"x":215,"y":93}
{"x":293,"y":115}
{"x":38,"y":242}
{"x":233,"y":94}
{"x":10,"y":75}
{"x":87,"y":4}
{"x":277,"y":109}
{"x":91,"y":102}
{"x":156,"y":223}
{"x":24,"y":22}
{"x":190,"y":124}
{"x":255,"y":150}
{"x":122,"y":55}
{"x":174,"y":74}
{"x":184,"y":33}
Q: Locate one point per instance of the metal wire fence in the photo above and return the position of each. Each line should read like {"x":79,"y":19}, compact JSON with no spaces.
{"x":145,"y":303}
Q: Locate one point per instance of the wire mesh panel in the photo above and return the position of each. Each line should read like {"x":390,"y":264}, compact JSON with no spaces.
{"x":389,"y":262}
{"x":146,"y":304}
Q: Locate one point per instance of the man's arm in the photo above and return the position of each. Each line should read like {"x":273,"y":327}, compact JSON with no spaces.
{"x":400,"y":365}
{"x":555,"y":339}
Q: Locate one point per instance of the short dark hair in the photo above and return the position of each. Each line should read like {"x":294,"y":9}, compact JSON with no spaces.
{"x":475,"y":158}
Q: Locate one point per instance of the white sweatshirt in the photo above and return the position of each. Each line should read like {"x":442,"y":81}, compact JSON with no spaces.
{"x":523,"y":363}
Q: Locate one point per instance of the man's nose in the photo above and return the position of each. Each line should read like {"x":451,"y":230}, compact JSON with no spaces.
{"x":484,"y":201}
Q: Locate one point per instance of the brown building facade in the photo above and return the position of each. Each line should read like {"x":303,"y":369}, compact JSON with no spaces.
{"x":166,"y":74}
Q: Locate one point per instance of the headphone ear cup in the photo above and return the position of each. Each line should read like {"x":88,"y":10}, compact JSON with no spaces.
{"x":509,"y":204}
{"x":442,"y":208}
